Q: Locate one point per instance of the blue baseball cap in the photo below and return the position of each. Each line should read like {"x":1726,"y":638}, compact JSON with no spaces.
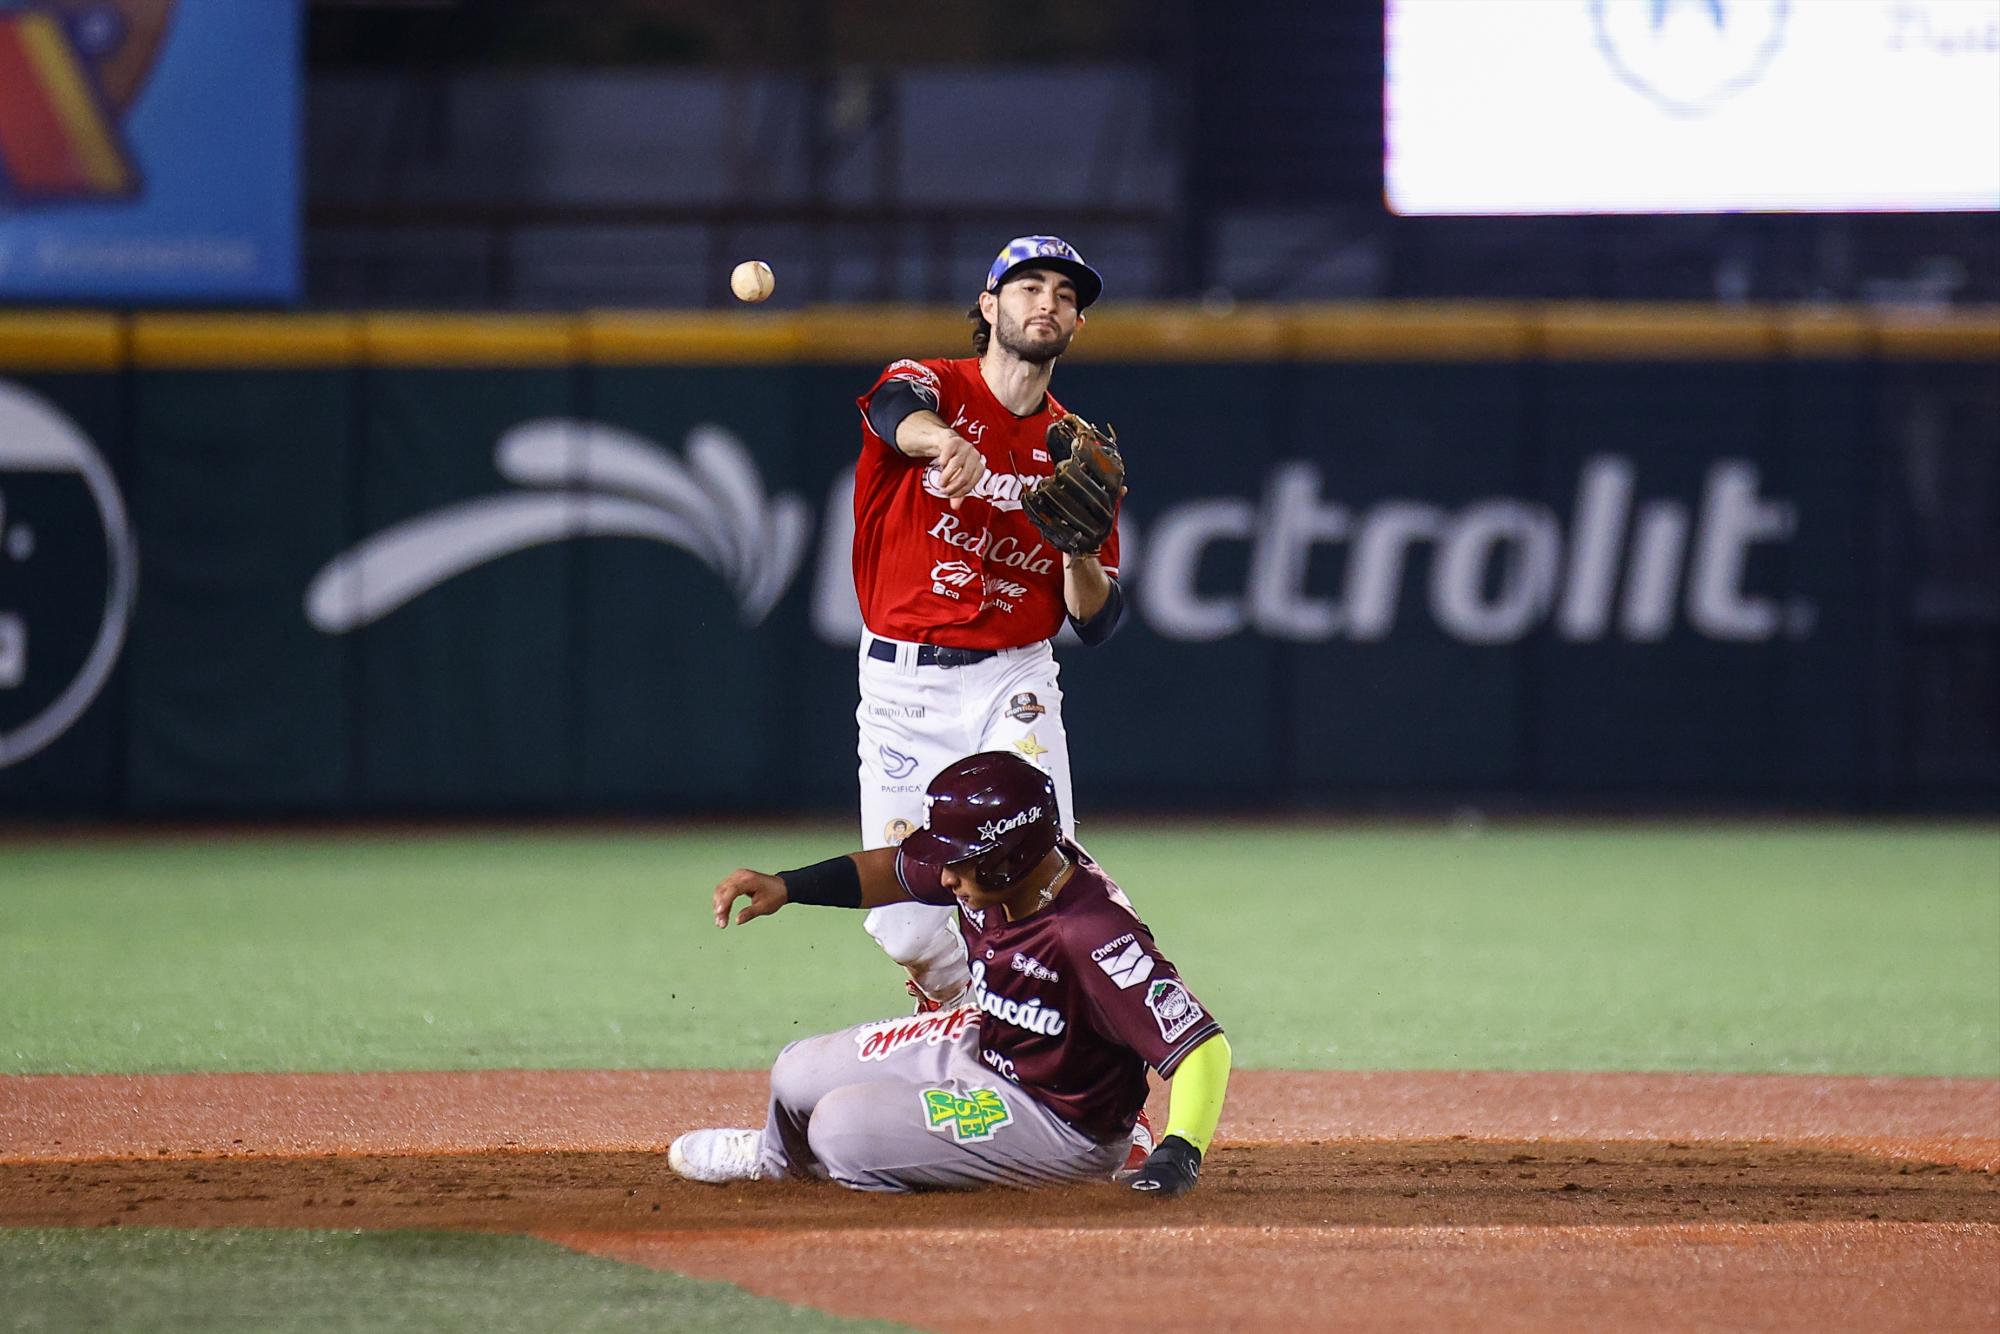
{"x":1051,"y":252}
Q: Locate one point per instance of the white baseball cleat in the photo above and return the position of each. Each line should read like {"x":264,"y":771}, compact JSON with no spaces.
{"x":716,"y":1156}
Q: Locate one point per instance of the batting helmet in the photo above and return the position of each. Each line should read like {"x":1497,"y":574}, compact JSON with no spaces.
{"x":992,"y":809}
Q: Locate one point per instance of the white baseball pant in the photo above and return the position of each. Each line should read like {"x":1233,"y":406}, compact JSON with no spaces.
{"x":913,"y":721}
{"x":906,"y":1104}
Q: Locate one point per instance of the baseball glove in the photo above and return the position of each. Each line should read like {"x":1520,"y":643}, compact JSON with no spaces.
{"x":1076,"y":506}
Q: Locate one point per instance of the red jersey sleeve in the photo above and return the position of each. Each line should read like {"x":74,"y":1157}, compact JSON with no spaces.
{"x":919,"y":375}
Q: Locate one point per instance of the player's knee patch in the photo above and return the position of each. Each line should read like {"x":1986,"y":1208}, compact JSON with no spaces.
{"x":791,"y":1076}
{"x":851,"y":1131}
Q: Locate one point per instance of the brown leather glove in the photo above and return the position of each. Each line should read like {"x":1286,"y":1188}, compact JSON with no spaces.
{"x":1076,"y":507}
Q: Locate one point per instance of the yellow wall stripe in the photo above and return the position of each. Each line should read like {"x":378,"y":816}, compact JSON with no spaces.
{"x":1182,"y":333}
{"x":61,"y":341}
{"x":470,"y":340}
{"x":614,"y":338}
{"x":1662,"y":332}
{"x":1942,"y":336}
{"x":1357,"y":332}
{"x":1350,"y":331}
{"x":882,"y":333}
{"x":1411,"y":331}
{"x":164,"y":342}
{"x":1833,"y":332}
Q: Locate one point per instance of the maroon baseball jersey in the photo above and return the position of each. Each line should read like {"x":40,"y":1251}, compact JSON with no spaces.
{"x":979,"y":576}
{"x":1076,"y":1000}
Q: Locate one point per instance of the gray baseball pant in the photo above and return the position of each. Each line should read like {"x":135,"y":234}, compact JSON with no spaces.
{"x":906,"y":1104}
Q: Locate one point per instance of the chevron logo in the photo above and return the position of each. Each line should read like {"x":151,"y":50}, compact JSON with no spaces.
{"x":1130,"y":967}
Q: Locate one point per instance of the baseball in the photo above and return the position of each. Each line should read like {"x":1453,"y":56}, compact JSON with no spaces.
{"x":752,"y":280}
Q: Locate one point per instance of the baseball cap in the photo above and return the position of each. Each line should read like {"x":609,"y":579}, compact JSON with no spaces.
{"x":1046,"y":252}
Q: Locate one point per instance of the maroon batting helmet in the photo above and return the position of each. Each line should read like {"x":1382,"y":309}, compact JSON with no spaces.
{"x":992,"y":809}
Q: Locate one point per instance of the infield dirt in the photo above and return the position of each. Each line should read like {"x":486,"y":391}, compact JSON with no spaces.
{"x":1435,"y":1201}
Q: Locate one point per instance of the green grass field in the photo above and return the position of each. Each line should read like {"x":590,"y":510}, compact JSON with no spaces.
{"x":1824,"y":949}
{"x":168,"y":1280}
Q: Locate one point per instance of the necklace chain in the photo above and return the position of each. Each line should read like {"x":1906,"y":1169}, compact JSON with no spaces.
{"x":1049,"y":890}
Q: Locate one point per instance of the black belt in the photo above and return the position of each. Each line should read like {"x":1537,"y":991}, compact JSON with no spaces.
{"x":931,"y":655}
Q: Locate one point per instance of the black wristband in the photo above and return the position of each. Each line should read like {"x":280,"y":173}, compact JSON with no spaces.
{"x":833,"y":883}
{"x":1100,"y":627}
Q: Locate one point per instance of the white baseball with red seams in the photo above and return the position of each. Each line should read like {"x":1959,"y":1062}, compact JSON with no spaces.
{"x":976,"y":577}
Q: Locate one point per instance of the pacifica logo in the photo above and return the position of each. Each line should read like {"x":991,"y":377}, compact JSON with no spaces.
{"x":590,"y":480}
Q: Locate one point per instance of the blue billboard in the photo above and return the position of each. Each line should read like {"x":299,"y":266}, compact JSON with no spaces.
{"x":149,"y":150}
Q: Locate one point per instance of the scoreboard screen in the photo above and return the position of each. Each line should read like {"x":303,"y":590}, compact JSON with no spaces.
{"x":1692,"y":106}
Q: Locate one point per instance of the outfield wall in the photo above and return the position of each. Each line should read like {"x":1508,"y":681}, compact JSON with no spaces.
{"x":404,"y":563}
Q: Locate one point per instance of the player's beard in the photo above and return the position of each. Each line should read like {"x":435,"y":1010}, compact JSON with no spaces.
{"x":1034,"y":348}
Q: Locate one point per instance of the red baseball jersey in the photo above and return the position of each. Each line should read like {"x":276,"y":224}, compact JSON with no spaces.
{"x":979,"y":576}
{"x":1075,"y":1001}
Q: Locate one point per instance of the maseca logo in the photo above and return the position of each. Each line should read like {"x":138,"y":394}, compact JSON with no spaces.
{"x":591,"y":480}
{"x":68,"y":573}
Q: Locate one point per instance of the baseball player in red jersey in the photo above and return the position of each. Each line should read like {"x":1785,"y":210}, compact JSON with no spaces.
{"x":1040,"y":1079}
{"x":960,"y":593}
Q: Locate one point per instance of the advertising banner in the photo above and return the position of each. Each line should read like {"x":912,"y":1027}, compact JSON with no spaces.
{"x":149,"y":150}
{"x":1691,"y":106}
{"x":358,"y":587}
{"x":68,"y":591}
